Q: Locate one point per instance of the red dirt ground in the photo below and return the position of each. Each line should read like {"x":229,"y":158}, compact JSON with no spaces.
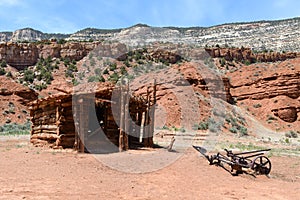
{"x":29,"y":172}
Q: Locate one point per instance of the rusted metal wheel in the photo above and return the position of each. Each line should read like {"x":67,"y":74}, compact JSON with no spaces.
{"x":261,"y":165}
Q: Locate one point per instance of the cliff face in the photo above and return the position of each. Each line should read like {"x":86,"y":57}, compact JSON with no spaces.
{"x":72,"y":50}
{"x":27,"y":34}
{"x":13,"y":99}
{"x":19,"y":55}
{"x":272,"y":89}
{"x":245,"y":54}
{"x":268,"y":87}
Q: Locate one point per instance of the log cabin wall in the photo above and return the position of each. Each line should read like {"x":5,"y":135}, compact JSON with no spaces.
{"x":65,"y":123}
{"x":53,"y":121}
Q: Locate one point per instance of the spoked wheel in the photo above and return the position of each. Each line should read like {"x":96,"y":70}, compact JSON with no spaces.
{"x":261,"y":165}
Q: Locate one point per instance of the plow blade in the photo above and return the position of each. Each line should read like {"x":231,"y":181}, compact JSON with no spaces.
{"x":202,"y":151}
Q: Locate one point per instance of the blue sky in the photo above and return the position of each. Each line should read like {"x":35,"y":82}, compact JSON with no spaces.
{"x":68,"y":16}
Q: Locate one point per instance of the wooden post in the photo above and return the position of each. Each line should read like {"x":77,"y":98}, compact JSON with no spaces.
{"x":171,"y":144}
{"x":152,"y":116}
{"x":122,"y":115}
{"x":146,"y":127}
{"x":76,"y":146}
{"x":126,"y":118}
{"x":57,"y":122}
{"x":105,"y":118}
{"x":142,"y":130}
{"x":83,"y":123}
{"x":81,"y":127}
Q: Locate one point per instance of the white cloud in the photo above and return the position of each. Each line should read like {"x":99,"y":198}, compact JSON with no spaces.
{"x":11,"y":2}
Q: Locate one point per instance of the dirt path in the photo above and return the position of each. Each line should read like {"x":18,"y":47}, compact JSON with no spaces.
{"x":29,"y":172}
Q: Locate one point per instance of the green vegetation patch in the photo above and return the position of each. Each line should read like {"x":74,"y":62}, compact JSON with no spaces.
{"x":15,"y":129}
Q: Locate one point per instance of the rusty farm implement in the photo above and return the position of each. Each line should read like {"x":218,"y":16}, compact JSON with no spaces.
{"x":251,"y":161}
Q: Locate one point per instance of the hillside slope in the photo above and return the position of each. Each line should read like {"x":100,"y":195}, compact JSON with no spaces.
{"x":278,"y":35}
{"x":189,"y":92}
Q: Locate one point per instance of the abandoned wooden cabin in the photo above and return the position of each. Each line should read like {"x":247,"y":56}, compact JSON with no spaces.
{"x":92,"y":122}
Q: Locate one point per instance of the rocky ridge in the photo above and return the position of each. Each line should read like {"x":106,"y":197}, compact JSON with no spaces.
{"x":279,"y":35}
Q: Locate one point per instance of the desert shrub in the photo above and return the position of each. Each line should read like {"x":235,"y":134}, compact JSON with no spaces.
{"x":218,"y":112}
{"x":182,"y":130}
{"x":233,"y":129}
{"x":209,"y":124}
{"x":203,"y":125}
{"x":3,"y":64}
{"x":9,"y":74}
{"x":66,"y":61}
{"x":231,"y":120}
{"x":69,"y":73}
{"x":257,"y":105}
{"x":5,"y":112}
{"x":222,"y":62}
{"x":237,"y":124}
{"x":247,"y":62}
{"x":291,"y":134}
{"x":47,"y":77}
{"x":175,"y":128}
{"x":126,"y":62}
{"x":97,"y":71}
{"x":40,"y":87}
{"x":113,"y":77}
{"x":11,"y":108}
{"x":101,"y":79}
{"x":270,"y":117}
{"x":165,"y":127}
{"x":15,"y":129}
{"x":130,"y":77}
{"x":123,"y":70}
{"x":29,"y":75}
{"x":243,"y":131}
{"x":287,"y":140}
{"x":75,"y":82}
{"x":213,"y":126}
{"x":137,"y":55}
{"x":81,"y":75}
{"x":161,"y":66}
{"x":195,"y":127}
{"x":41,"y":72}
{"x":61,"y":41}
{"x":2,"y":71}
{"x":71,"y":68}
{"x":92,"y":79}
{"x":92,"y":62}
{"x":105,"y":71}
{"x":112,"y":66}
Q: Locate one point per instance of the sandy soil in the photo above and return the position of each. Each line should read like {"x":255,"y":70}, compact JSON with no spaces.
{"x":29,"y":172}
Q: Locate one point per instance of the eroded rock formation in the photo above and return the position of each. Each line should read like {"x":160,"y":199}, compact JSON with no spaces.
{"x":19,"y":55}
{"x":22,"y":55}
{"x":287,"y":114}
{"x":246,"y":54}
{"x":274,"y":86}
{"x":268,"y":87}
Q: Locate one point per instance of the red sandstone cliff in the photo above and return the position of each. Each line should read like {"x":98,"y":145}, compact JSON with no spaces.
{"x":246,"y":54}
